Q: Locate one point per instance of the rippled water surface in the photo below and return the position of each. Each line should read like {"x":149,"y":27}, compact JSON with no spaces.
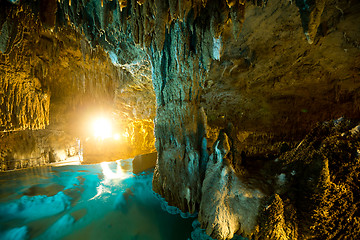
{"x":85,"y":202}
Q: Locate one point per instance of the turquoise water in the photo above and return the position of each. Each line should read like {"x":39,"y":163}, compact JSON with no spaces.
{"x":99,"y":201}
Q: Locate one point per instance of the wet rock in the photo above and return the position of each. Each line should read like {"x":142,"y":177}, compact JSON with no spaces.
{"x":144,"y":162}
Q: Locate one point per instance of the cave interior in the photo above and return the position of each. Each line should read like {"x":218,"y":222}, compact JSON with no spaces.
{"x":248,"y":111}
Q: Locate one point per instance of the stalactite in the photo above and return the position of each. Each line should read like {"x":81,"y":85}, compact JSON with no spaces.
{"x":24,"y":104}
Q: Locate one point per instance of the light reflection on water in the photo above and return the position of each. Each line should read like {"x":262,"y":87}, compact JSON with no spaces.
{"x":84,"y":202}
{"x":109,"y":178}
{"x":110,"y":174}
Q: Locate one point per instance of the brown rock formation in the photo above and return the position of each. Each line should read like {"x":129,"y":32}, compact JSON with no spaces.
{"x":271,"y":80}
{"x":308,"y":192}
{"x":54,"y":76}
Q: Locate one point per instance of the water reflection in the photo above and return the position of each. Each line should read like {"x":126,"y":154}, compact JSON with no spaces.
{"x":110,"y":174}
{"x":111,"y":178}
{"x":100,"y":201}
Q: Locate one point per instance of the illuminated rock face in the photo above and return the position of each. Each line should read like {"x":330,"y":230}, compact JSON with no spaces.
{"x":56,"y":79}
{"x":25,"y":149}
{"x":25,"y":102}
{"x":24,"y":105}
{"x":270,"y":80}
{"x":229,"y":204}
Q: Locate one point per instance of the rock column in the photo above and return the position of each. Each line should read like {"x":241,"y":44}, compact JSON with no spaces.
{"x":180,"y":123}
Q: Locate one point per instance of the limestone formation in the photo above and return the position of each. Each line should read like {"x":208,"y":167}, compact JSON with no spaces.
{"x":307,"y":192}
{"x":25,"y":149}
{"x":228,"y":205}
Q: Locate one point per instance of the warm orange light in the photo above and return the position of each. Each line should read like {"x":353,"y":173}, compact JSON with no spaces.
{"x":116,"y":136}
{"x":126,"y":135}
{"x":102,"y":128}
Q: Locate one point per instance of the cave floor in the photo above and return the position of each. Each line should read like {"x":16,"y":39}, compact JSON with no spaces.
{"x":99,"y":201}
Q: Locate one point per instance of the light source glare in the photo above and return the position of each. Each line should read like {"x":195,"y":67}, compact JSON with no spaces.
{"x":102,"y":128}
{"x":116,"y":136}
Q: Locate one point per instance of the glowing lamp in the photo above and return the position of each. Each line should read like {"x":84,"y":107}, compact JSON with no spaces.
{"x":102,"y":128}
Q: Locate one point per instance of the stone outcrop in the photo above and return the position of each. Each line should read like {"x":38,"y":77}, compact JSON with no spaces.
{"x":321,"y":183}
{"x":307,"y":192}
{"x":228,"y":205}
{"x":311,"y":16}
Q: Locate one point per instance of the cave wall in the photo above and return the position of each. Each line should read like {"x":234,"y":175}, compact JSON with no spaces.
{"x":270,"y":80}
{"x":34,"y":148}
{"x":272,"y":87}
{"x":135,"y":106}
{"x":52,"y":77}
{"x":24,"y":100}
{"x":49,"y":65}
{"x":24,"y":104}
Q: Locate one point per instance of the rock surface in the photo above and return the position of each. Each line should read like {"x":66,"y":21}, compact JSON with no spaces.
{"x":228,"y":205}
{"x":144,"y":162}
{"x":270,"y":80}
{"x":307,"y":192}
{"x":24,"y":149}
{"x":321,"y":184}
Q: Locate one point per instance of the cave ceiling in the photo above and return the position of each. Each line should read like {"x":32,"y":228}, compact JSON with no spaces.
{"x":271,"y":79}
{"x":266,"y":77}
